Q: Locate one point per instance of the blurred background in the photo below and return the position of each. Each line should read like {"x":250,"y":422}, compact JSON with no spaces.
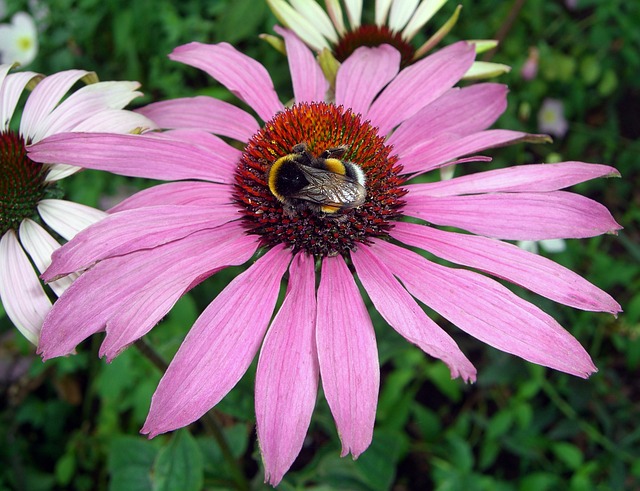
{"x":73,"y":423}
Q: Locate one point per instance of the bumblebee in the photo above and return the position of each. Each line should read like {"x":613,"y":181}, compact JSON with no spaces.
{"x":324,"y":184}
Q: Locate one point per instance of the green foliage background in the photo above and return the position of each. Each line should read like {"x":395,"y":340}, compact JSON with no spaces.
{"x":73,"y":423}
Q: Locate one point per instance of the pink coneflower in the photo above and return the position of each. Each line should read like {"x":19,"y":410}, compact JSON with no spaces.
{"x":393,"y":124}
{"x":29,"y":193}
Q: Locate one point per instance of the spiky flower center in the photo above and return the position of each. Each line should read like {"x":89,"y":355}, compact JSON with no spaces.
{"x":372,"y":36}
{"x":320,"y":127}
{"x":22,"y":183}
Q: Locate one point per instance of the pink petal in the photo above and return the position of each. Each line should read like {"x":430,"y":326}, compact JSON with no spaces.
{"x":487,"y":310}
{"x":309,"y":83}
{"x":44,"y":98}
{"x":243,"y":76}
{"x":531,"y":178}
{"x":347,"y":355}
{"x":22,"y":295}
{"x":194,"y":193}
{"x":130,"y":294}
{"x":134,"y":230}
{"x":132,"y":155}
{"x":438,"y":152}
{"x":226,"y":155}
{"x":219,"y":347}
{"x":458,"y":111}
{"x":405,"y":315}
{"x":516,"y":216}
{"x":231,"y":247}
{"x":510,"y":262}
{"x":364,"y":74}
{"x":419,"y":84}
{"x":287,"y":375}
{"x":205,"y":113}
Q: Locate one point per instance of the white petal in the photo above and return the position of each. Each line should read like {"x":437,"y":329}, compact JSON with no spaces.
{"x":382,"y":10}
{"x":422,"y":15}
{"x":68,"y":218}
{"x":295,"y":21}
{"x":60,"y":171}
{"x":88,"y":101}
{"x":315,"y":14}
{"x":40,"y":245}
{"x":354,"y":12}
{"x":23,"y":297}
{"x":334,"y":9}
{"x":45,"y":98}
{"x":10,"y":92}
{"x":400,"y":13}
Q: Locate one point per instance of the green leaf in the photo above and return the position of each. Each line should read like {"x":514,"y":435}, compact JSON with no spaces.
{"x":130,"y":463}
{"x":378,"y":464}
{"x":179,"y":465}
{"x":568,"y":453}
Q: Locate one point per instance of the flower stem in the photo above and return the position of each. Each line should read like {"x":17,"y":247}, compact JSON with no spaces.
{"x":209,"y":420}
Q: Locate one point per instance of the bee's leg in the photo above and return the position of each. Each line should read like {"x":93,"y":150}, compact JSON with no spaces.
{"x":300,"y":148}
{"x":335,"y":152}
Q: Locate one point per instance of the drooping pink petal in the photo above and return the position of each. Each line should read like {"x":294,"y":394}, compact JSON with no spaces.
{"x":309,"y":83}
{"x":458,"y":111}
{"x":194,"y":193}
{"x":230,"y":247}
{"x":219,"y":347}
{"x":21,"y":292}
{"x":347,"y":355}
{"x":40,"y":245}
{"x":10,"y":92}
{"x":510,"y":262}
{"x":538,"y":178}
{"x":487,"y":310}
{"x":287,"y":374}
{"x":405,"y":315}
{"x":205,"y":113}
{"x":364,"y":74}
{"x":132,"y":155}
{"x":44,"y":98}
{"x":243,"y":76}
{"x":134,"y":230}
{"x":419,"y":84}
{"x":68,"y":218}
{"x":516,"y":216}
{"x":138,"y":288}
{"x":436,"y":153}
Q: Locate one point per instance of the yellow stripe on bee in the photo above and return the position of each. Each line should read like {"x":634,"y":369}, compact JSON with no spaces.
{"x":329,"y":208}
{"x":273,"y":175}
{"x":336,"y":166}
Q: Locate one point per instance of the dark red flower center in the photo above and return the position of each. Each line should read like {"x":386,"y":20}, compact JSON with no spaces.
{"x":372,"y":36}
{"x":22,"y":183}
{"x":302,"y":224}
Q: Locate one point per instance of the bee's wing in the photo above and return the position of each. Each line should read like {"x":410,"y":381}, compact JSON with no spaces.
{"x":329,"y":188}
